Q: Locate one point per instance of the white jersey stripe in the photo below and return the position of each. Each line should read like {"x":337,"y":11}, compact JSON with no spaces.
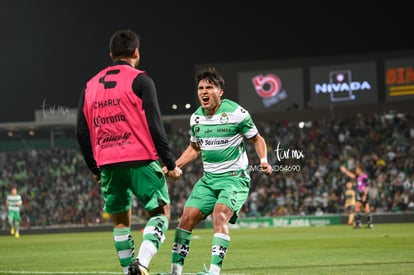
{"x":227,"y":166}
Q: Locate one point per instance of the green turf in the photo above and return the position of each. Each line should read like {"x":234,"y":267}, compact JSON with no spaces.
{"x":335,"y":249}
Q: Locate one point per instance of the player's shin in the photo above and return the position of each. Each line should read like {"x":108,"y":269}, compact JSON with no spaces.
{"x":219,"y":250}
{"x":11,"y":224}
{"x":358,"y":219}
{"x":153,"y":237}
{"x":180,"y":250}
{"x":370,"y":219}
{"x":124,"y":245}
{"x":350,"y":218}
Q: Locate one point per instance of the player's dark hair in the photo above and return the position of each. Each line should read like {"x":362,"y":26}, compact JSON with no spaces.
{"x":123,"y":43}
{"x":212,"y":75}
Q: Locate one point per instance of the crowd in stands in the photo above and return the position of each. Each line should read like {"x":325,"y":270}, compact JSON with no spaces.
{"x":57,"y":188}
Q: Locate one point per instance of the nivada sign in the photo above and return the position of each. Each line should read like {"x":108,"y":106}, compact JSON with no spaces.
{"x":341,"y":87}
{"x":346,"y":84}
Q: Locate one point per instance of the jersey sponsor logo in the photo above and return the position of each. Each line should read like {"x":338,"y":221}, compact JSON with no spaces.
{"x":212,"y":142}
{"x":110,"y":140}
{"x":223,"y":130}
{"x":99,"y":121}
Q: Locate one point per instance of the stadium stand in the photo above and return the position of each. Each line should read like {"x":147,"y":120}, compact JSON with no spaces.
{"x":58,"y":189}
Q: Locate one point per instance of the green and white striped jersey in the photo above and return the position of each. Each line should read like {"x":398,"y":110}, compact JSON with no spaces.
{"x":221,"y":137}
{"x":14,"y":202}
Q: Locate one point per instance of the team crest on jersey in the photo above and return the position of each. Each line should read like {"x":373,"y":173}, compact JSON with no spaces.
{"x":224,"y":118}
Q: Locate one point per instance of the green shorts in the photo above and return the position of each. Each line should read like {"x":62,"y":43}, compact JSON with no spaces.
{"x":13,"y":215}
{"x":145,"y":181}
{"x":231,"y":189}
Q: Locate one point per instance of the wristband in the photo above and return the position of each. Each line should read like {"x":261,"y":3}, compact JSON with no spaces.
{"x":263,"y":160}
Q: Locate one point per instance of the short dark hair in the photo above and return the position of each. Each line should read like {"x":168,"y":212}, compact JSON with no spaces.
{"x":123,"y":43}
{"x":212,"y":75}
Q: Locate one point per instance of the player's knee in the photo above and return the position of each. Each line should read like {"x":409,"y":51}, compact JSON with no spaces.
{"x":190,"y":219}
{"x":222,"y":215}
{"x":162,"y":210}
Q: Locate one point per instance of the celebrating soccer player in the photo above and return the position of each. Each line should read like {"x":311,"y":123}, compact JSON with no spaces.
{"x":218,"y":128}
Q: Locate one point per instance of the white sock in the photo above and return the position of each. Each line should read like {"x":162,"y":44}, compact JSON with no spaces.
{"x":176,"y":269}
{"x":146,"y":252}
{"x":214,"y":269}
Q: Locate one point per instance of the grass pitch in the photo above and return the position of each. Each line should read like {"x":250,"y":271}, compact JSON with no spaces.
{"x":334,"y":249}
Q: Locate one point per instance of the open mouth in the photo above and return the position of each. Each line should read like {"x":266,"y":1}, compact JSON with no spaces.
{"x":205,"y":99}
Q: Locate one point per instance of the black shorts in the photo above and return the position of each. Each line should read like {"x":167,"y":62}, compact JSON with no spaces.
{"x":359,"y":198}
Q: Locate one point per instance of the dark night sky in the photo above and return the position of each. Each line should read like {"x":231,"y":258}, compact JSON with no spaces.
{"x":51,"y":48}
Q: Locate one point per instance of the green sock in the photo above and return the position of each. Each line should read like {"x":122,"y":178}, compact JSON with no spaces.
{"x":124,"y":245}
{"x":153,"y":237}
{"x":11,"y":223}
{"x":219,"y":249}
{"x":155,"y":230}
{"x":181,"y":247}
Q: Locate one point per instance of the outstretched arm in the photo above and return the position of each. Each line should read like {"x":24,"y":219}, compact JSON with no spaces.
{"x":189,"y":155}
{"x":347,"y":172}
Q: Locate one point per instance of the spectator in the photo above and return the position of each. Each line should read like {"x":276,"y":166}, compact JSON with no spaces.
{"x":48,"y":184}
